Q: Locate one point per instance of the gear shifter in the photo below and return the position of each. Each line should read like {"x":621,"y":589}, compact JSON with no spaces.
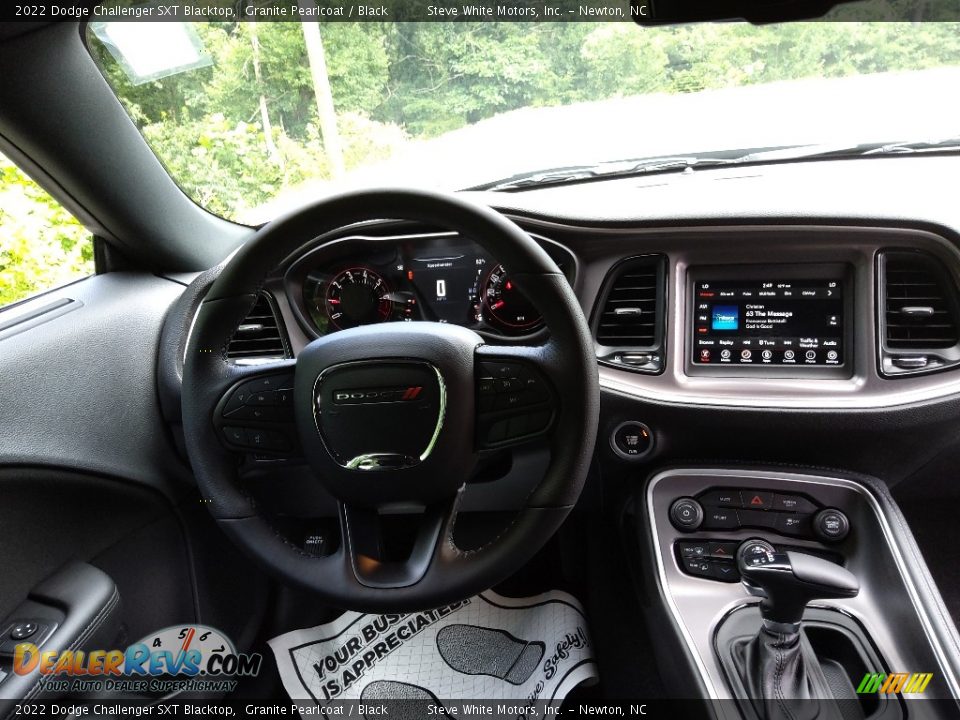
{"x":780,"y":671}
{"x":787,"y":581}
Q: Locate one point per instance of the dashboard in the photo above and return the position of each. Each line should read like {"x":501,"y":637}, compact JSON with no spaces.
{"x":438,"y":277}
{"x":805,"y":308}
{"x":831,"y":270}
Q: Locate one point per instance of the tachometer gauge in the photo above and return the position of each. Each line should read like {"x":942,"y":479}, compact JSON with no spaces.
{"x":357,"y":296}
{"x":505,"y":306}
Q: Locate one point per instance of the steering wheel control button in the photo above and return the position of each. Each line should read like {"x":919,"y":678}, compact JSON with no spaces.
{"x":266,"y":440}
{"x":632,"y":440}
{"x":264,"y":400}
{"x":686,"y":514}
{"x":513,"y":402}
{"x":235,"y":435}
{"x":831,"y":525}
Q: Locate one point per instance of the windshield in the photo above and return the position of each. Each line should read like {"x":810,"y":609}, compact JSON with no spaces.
{"x":254,"y":119}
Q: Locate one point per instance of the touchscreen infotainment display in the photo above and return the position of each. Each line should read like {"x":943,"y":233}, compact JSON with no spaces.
{"x":768,"y":322}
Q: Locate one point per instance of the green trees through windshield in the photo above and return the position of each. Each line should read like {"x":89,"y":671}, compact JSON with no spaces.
{"x":237,"y":133}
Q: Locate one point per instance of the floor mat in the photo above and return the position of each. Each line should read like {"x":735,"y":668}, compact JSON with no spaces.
{"x":489,"y":647}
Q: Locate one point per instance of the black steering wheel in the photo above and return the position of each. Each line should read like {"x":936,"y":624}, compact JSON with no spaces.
{"x":395,"y":414}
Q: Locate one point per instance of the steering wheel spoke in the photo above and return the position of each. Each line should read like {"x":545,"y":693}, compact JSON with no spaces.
{"x":516,"y":401}
{"x":385,"y":555}
{"x":255,"y":413}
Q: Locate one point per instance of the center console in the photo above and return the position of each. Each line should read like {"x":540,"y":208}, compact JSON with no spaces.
{"x":843,"y":593}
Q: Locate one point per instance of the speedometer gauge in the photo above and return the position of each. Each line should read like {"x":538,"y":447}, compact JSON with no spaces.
{"x":357,"y":296}
{"x":507,"y":307}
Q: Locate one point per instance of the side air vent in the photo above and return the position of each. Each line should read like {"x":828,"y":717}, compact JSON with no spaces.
{"x":919,"y":321}
{"x":259,"y":337}
{"x":628,"y":323}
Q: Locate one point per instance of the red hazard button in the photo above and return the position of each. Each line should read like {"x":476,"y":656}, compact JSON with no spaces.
{"x":756,"y":500}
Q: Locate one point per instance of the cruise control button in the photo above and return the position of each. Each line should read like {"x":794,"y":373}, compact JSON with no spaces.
{"x":793,"y":503}
{"x":499,"y":370}
{"x":237,"y":400}
{"x":262,"y":413}
{"x":263,"y":397}
{"x":266,"y":440}
{"x":508,"y":401}
{"x":271,"y":382}
{"x":508,"y":385}
{"x":756,"y":499}
{"x":235,"y":435}
{"x":487,"y":386}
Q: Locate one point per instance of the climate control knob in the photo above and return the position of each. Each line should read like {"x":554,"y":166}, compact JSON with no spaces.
{"x":686,"y":514}
{"x":831,"y":525}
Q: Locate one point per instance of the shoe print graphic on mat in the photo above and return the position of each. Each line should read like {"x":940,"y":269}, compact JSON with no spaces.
{"x":474,"y":650}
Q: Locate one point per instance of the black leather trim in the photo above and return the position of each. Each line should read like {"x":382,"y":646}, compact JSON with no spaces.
{"x":86,"y":600}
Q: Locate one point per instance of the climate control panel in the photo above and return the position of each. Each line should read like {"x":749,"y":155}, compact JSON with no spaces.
{"x":792,"y":515}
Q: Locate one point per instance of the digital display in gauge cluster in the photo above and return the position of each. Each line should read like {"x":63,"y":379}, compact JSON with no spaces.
{"x":768,"y":322}
{"x":447,"y":282}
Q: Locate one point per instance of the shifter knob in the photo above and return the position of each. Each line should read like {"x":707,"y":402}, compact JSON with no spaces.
{"x":787,"y":581}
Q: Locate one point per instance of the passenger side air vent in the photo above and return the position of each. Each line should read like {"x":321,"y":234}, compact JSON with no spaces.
{"x":628,"y":321}
{"x":259,"y":337}
{"x":919,"y":314}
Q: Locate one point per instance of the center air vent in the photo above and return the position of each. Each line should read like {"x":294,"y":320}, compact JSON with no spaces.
{"x":919,"y":323}
{"x":259,"y":337}
{"x":628,"y":325}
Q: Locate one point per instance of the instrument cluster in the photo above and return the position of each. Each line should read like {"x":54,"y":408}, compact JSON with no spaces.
{"x":441,"y":277}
